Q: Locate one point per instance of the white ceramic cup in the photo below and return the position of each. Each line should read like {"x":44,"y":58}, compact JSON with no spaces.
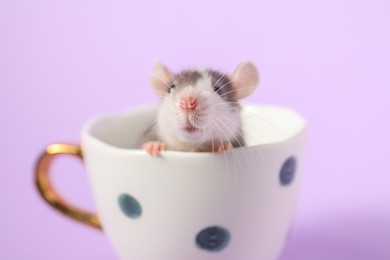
{"x":184,"y":205}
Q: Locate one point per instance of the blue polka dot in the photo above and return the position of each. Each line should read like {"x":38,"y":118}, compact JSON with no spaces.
{"x":213,"y":238}
{"x":129,"y":206}
{"x":287,"y":172}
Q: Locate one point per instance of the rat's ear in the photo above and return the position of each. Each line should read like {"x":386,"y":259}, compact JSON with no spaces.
{"x":244,"y":79}
{"x":161,"y":79}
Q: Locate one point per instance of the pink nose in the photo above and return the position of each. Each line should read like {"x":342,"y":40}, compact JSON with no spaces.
{"x":188,"y":103}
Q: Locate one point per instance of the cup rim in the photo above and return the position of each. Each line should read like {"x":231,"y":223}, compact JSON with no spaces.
{"x":86,"y":136}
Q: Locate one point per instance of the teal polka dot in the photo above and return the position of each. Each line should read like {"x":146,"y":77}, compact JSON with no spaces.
{"x":129,"y":206}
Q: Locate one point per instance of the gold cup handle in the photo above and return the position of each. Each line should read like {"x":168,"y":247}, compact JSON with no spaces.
{"x":46,"y":190}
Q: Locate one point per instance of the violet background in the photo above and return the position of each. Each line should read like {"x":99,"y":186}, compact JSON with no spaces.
{"x":62,"y":62}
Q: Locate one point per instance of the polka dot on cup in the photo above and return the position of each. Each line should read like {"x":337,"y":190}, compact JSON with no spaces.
{"x":129,"y":206}
{"x":287,"y":171}
{"x":213,"y":238}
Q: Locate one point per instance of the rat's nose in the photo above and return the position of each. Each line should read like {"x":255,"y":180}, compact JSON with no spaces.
{"x":188,"y":103}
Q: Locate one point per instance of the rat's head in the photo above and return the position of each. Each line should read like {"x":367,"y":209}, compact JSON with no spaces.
{"x":201,"y":105}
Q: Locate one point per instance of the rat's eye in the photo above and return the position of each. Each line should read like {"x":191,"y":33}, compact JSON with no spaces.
{"x":218,"y":89}
{"x":171,"y":88}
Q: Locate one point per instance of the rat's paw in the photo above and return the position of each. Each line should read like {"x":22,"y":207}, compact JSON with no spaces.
{"x":223,"y":148}
{"x":153,"y":148}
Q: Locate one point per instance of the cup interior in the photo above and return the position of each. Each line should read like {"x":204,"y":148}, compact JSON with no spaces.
{"x":262,"y":125}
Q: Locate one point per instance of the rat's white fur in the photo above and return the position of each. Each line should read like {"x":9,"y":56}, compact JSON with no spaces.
{"x":210,"y":111}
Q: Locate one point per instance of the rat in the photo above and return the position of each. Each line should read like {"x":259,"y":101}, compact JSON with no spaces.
{"x":199,"y":109}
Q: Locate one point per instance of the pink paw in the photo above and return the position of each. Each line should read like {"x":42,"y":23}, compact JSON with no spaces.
{"x":223,"y":148}
{"x":153,"y":148}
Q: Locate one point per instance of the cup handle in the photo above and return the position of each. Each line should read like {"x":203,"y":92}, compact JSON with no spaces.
{"x":46,"y":190}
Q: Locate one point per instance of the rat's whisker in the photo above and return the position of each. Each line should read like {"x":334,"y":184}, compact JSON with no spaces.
{"x":243,"y":76}
{"x":173,"y":78}
{"x":235,"y":90}
{"x":218,"y":80}
{"x":150,"y":125}
{"x":247,"y":136}
{"x":241,"y":143}
{"x":240,"y":133}
{"x":222,"y":143}
{"x":235,"y":156}
{"x":212,"y":151}
{"x":150,"y":132}
{"x":163,"y":81}
{"x":265,"y":120}
{"x":254,"y":115}
{"x":227,"y":103}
